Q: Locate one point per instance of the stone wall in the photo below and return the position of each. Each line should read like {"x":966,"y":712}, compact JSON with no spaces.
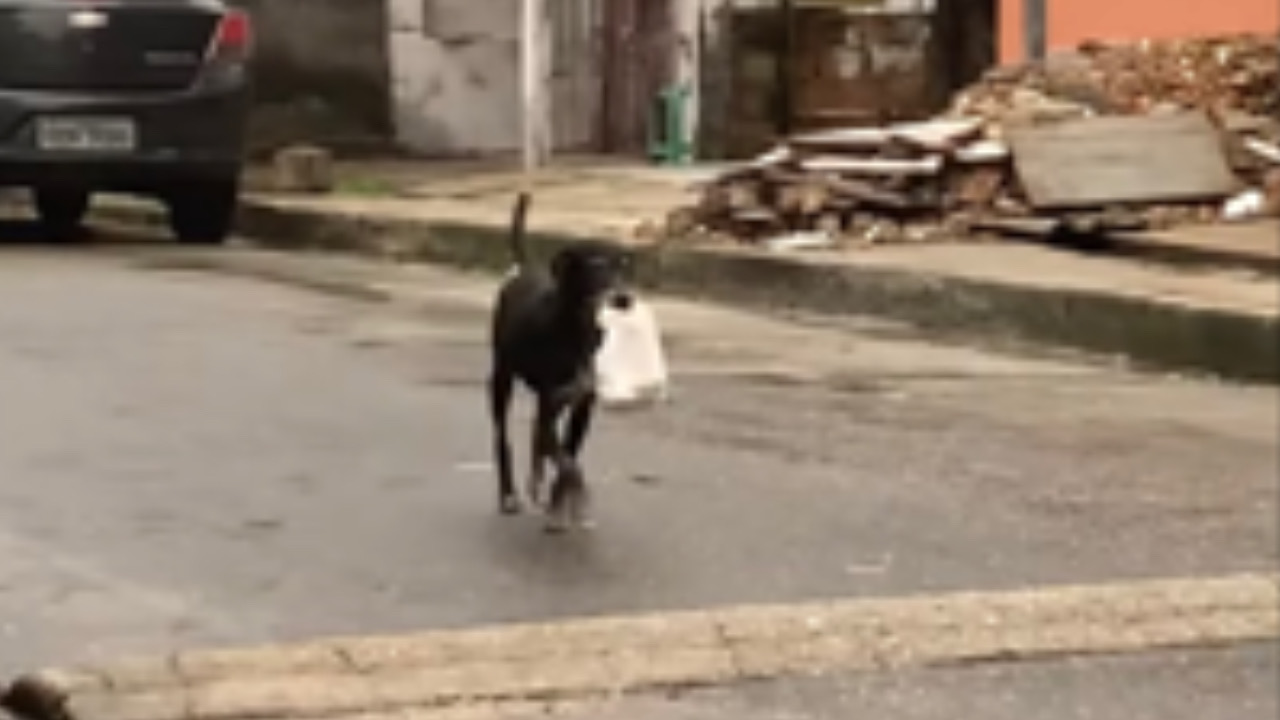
{"x":322,"y":72}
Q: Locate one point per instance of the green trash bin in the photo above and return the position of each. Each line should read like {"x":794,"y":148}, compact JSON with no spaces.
{"x":668,"y":144}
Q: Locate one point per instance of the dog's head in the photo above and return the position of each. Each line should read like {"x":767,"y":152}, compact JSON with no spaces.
{"x":594,"y":274}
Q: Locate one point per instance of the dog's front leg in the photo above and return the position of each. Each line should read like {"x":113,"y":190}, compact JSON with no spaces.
{"x":541,"y":450}
{"x":568,"y":478}
{"x":580,"y":416}
{"x":501,"y":385}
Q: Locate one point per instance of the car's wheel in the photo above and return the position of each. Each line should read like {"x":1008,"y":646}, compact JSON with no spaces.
{"x":62,"y":211}
{"x":203,"y":213}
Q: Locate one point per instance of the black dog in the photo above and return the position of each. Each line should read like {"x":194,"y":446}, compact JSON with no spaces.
{"x":546,"y":334}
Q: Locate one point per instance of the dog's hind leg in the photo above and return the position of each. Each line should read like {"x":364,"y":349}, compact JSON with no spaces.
{"x":501,"y":385}
{"x":539,"y":454}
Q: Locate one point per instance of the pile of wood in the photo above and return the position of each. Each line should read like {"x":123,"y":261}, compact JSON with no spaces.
{"x":876,"y":184}
{"x":966,"y":169}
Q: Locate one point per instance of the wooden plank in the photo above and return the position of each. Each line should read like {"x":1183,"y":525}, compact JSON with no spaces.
{"x":927,"y":167}
{"x":837,"y":188}
{"x":1120,"y":160}
{"x":983,"y":152}
{"x":1022,"y":227}
{"x":1265,"y":150}
{"x":853,"y":138}
{"x":937,"y":135}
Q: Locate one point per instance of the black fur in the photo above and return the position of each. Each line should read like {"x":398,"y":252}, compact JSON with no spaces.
{"x":545,"y":334}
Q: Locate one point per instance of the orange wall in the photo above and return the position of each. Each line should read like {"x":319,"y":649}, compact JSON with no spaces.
{"x":1072,"y":21}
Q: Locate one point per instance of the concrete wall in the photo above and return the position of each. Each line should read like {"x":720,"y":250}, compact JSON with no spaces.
{"x":1071,"y":22}
{"x":455,"y":68}
{"x":575,"y":55}
{"x":456,"y":74}
{"x":321,"y":70}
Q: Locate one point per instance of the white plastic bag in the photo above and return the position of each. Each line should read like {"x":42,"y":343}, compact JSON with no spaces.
{"x":1246,"y":205}
{"x":631,"y":367}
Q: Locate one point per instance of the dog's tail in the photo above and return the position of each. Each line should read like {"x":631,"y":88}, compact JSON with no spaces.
{"x":519,"y":248}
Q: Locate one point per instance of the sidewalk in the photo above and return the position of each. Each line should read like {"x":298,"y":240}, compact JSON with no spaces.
{"x":508,"y":671}
{"x":1202,"y":319}
{"x":1206,"y":684}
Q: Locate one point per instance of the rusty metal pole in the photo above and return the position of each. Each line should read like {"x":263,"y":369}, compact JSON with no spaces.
{"x":1035,"y":33}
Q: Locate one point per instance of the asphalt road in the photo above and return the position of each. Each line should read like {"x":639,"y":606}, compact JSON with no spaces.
{"x":193,"y":458}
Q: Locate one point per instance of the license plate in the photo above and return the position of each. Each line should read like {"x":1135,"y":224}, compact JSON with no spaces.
{"x":87,"y":134}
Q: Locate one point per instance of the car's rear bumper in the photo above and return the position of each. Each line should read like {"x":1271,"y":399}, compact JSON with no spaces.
{"x":192,"y":134}
{"x":137,"y":174}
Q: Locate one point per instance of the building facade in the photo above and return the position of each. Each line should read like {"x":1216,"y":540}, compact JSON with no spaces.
{"x":1071,"y":22}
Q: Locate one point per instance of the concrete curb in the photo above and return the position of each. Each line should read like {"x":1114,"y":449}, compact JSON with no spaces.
{"x":444,"y":671}
{"x":1161,"y":335}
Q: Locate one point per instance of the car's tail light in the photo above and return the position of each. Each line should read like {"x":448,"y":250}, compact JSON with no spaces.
{"x":233,"y":40}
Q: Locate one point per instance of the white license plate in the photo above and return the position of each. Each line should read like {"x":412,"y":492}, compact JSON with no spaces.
{"x":87,"y":134}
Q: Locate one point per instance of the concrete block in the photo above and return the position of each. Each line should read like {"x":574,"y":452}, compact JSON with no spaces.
{"x":1100,"y":162}
{"x":303,"y":169}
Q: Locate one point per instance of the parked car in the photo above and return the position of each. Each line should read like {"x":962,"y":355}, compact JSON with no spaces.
{"x":146,"y":97}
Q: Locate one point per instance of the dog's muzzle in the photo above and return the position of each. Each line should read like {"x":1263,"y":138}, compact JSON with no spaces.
{"x":621,"y":301}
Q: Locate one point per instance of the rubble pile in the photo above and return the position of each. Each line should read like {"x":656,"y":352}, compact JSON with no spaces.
{"x":959,"y":172}
{"x":1222,"y":75}
{"x":878,"y":184}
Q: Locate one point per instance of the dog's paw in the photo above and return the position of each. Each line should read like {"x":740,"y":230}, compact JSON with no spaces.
{"x":510,"y":505}
{"x":556,"y":524}
{"x":559,"y":514}
{"x":535,"y":489}
{"x":579,"y":507}
{"x":580,"y":514}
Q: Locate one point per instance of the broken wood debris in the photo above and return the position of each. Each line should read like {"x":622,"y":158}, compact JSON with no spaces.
{"x":1031,"y":151}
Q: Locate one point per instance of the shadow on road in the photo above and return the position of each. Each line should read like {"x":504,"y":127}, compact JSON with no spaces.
{"x":16,"y":232}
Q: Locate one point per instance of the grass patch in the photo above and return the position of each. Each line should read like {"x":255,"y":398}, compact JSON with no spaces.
{"x":366,"y":186}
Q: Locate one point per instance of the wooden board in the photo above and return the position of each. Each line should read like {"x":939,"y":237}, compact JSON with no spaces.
{"x":1120,"y":160}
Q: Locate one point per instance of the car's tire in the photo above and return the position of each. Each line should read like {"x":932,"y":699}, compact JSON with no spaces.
{"x":61,"y":211}
{"x":203,"y":213}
